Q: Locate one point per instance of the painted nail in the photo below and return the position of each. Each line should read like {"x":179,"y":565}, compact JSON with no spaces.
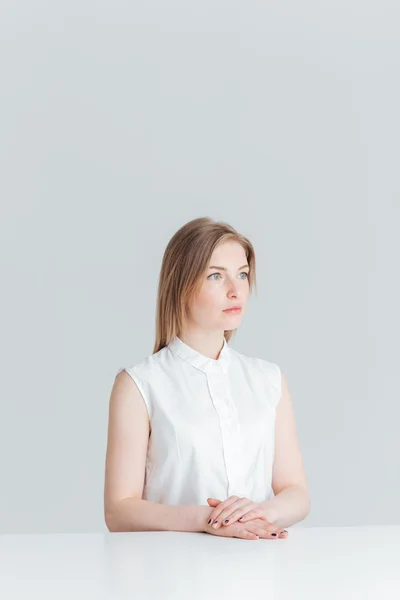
{"x":274,"y":534}
{"x":209,"y":521}
{"x":215,"y":524}
{"x":226,"y":521}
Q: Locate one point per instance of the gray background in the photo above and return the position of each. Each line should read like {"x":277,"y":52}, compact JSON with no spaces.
{"x":120,"y":121}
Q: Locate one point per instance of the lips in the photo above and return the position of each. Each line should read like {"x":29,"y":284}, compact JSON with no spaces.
{"x":236,"y":308}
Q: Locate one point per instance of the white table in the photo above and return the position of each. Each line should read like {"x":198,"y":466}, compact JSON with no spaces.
{"x":313,"y":562}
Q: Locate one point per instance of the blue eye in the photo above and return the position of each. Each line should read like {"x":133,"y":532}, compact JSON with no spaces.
{"x":212,"y":275}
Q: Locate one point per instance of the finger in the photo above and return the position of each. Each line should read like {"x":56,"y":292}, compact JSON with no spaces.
{"x":256,"y":528}
{"x":237,"y":511}
{"x":259,"y":513}
{"x":262,"y":532}
{"x":214,"y":518}
{"x":252,"y":535}
{"x":268,"y":531}
{"x":260,"y":526}
{"x":213,"y":501}
{"x":283,"y":534}
{"x":255,"y":513}
{"x":246,"y":534}
{"x":268,"y":535}
{"x":225,"y":515}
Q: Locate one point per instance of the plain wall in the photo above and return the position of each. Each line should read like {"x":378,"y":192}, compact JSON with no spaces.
{"x":120,"y":122}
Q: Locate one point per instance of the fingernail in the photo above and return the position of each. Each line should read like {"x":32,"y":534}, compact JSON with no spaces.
{"x":215,"y":524}
{"x":274,"y":534}
{"x":209,"y":521}
{"x":226,"y":521}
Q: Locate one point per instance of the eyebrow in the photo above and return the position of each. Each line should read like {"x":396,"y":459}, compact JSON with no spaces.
{"x":225,"y":269}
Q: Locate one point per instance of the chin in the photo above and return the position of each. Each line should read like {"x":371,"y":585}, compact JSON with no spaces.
{"x":232,"y":323}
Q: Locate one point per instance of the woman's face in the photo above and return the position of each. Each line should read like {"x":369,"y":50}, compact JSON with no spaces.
{"x":221,"y":289}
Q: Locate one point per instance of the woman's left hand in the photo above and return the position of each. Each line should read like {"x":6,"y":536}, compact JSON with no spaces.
{"x":239,"y":509}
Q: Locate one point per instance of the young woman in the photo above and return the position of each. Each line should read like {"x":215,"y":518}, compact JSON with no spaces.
{"x":202,"y":437}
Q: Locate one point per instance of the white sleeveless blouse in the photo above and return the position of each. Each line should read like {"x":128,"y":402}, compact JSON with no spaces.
{"x":212,"y":424}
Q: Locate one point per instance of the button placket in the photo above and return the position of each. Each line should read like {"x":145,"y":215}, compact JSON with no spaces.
{"x":230,"y":429}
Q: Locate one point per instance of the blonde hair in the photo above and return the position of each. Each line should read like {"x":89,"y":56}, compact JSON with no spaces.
{"x":186,"y":259}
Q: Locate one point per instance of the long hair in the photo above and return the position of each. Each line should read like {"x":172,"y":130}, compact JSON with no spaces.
{"x":185,"y":261}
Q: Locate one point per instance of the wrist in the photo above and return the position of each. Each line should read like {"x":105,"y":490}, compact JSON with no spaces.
{"x":203,"y":515}
{"x":270,"y":512}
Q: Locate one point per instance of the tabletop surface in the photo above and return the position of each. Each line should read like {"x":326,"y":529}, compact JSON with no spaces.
{"x":313,"y":562}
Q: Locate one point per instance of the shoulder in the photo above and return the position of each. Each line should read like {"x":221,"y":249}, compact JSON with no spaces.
{"x":269,"y":370}
{"x":147,"y":367}
{"x":263,"y":365}
{"x":144,"y":373}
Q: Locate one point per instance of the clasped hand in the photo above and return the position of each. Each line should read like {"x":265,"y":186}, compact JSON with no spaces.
{"x":234,"y":509}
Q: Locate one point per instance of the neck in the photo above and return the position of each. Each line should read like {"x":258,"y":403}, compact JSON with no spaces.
{"x":208,"y":343}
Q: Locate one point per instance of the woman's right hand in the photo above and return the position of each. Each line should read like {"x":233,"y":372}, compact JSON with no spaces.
{"x":250,"y":530}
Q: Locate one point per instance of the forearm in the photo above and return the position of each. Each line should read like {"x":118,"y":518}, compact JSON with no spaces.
{"x":135,"y":514}
{"x":290,"y":506}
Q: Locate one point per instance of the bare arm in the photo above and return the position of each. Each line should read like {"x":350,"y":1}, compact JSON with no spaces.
{"x":292,"y":502}
{"x":135,"y":514}
{"x":128,"y":434}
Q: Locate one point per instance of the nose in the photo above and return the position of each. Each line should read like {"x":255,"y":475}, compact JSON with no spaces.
{"x":232,"y":292}
{"x":233,"y":287}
